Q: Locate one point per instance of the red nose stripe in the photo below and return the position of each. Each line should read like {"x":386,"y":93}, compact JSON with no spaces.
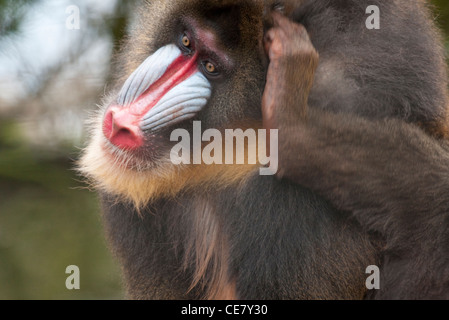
{"x":180,"y":69}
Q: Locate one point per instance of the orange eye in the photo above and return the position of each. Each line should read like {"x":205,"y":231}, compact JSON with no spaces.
{"x":185,"y":41}
{"x":210,"y":67}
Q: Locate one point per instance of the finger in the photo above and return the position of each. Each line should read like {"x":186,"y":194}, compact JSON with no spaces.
{"x":282,"y":21}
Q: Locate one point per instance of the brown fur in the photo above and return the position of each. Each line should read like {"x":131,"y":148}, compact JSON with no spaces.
{"x":390,"y":174}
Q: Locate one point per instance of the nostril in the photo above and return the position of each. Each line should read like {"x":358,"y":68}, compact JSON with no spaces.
{"x":120,"y":129}
{"x":124,"y":132}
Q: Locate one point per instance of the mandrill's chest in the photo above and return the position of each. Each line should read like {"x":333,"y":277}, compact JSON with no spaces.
{"x":265,"y":242}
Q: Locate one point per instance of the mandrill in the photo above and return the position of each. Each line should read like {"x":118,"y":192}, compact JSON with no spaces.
{"x":363,"y":179}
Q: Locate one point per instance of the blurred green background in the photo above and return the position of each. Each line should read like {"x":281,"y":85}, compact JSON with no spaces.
{"x":50,"y":77}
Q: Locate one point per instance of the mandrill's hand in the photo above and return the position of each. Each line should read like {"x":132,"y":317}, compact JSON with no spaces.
{"x":293,"y":61}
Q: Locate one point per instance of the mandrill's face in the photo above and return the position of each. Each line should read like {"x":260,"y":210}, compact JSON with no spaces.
{"x":187,"y":60}
{"x":166,"y":89}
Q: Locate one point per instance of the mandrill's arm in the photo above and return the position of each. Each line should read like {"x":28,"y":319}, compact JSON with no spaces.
{"x":391,"y":175}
